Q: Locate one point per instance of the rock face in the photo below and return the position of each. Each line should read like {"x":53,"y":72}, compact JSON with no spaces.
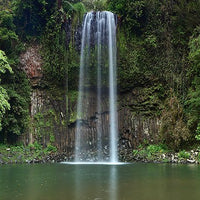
{"x":136,"y":126}
{"x":134,"y":129}
{"x":31,"y":63}
{"x":47,"y":111}
{"x":49,"y":115}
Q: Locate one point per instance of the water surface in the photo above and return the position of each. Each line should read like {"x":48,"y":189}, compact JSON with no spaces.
{"x":96,"y":182}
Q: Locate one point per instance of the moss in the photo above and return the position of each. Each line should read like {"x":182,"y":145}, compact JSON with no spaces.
{"x":146,"y":101}
{"x":173,"y":130}
{"x":73,"y":96}
{"x":44,"y":123}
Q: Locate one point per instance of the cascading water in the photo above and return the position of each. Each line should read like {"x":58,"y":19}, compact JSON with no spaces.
{"x":97,"y":82}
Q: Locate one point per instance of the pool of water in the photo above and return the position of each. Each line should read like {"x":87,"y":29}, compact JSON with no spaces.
{"x":100,"y":182}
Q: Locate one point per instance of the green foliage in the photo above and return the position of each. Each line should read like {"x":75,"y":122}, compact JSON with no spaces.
{"x":183,"y":154}
{"x":197,"y":137}
{"x":198,"y":156}
{"x":8,"y":36}
{"x":32,"y":16}
{"x":36,"y":146}
{"x":130,"y":61}
{"x":74,"y":11}
{"x":52,"y":138}
{"x":100,"y":5}
{"x":152,"y":149}
{"x":61,"y":60}
{"x":43,"y":124}
{"x":50,"y":149}
{"x":194,"y":54}
{"x":72,"y":62}
{"x":173,"y":128}
{"x":16,"y":119}
{"x":132,"y":14}
{"x":15,"y":91}
{"x":185,"y":18}
{"x":79,"y":9}
{"x":4,"y":104}
{"x":73,"y":96}
{"x":97,"y":5}
{"x":135,"y":152}
{"x":24,"y":154}
{"x":151,"y":152}
{"x":193,"y":101}
{"x":38,"y":149}
{"x":4,"y":65}
{"x":153,"y":56}
{"x":54,"y":51}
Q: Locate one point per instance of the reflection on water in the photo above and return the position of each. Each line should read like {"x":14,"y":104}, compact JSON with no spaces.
{"x":99,"y":182}
{"x":113,"y":189}
{"x":96,"y":184}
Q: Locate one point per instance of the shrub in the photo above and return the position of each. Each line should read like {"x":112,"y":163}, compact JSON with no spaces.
{"x":184,"y":154}
{"x":50,"y":149}
{"x":152,"y":149}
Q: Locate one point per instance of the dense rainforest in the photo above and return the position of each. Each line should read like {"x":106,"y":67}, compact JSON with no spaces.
{"x":158,"y":67}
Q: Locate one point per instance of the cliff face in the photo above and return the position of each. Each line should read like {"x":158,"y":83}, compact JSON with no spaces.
{"x":31,"y":63}
{"x":157,"y":67}
{"x":134,"y":128}
{"x":53,"y":114}
{"x":47,"y":111}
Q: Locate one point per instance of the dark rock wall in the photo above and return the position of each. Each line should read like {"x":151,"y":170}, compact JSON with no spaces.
{"x":134,"y":128}
{"x":47,"y":110}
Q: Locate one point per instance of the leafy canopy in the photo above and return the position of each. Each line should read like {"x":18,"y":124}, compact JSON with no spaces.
{"x":4,"y":105}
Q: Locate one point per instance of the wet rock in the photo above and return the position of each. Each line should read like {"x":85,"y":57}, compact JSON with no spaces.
{"x":163,"y":156}
{"x":191,"y":161}
{"x":172,"y":157}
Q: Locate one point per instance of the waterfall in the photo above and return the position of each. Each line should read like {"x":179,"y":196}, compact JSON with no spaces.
{"x":97,"y":85}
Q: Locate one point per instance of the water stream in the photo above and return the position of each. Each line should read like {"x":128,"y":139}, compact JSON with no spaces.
{"x":97,"y":80}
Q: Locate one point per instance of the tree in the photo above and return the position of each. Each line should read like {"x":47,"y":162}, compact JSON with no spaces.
{"x":7,"y":31}
{"x":132,"y":14}
{"x":193,"y":102}
{"x":4,"y":105}
{"x":32,"y":16}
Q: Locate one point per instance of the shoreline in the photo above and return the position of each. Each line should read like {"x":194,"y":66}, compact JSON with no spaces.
{"x":188,"y":157}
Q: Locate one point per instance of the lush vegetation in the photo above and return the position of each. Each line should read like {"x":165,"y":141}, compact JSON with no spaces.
{"x":4,"y":104}
{"x":159,"y":48}
{"x":158,"y":54}
{"x":25,"y":154}
{"x":21,"y":25}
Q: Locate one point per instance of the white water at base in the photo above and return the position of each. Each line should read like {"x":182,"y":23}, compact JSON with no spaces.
{"x":102,"y":27}
{"x":95,"y":163}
